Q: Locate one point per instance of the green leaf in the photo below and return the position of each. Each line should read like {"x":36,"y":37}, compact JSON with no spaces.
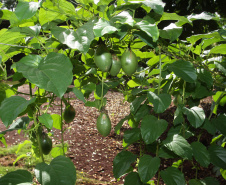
{"x":20,"y":123}
{"x":184,"y":70}
{"x":209,"y":127}
{"x":123,"y":17}
{"x":17,"y":177}
{"x":61,"y":170}
{"x":134,"y":106}
{"x":152,"y":128}
{"x":157,"y":6}
{"x":195,"y":182}
{"x":47,"y":120}
{"x":103,"y":27}
{"x":196,"y":116}
{"x":120,"y":123}
{"x":131,"y":136}
{"x":52,"y":73}
{"x":220,"y":123}
{"x":133,"y":179}
{"x":179,"y":146}
{"x":79,"y":39}
{"x":150,"y":29}
{"x":171,"y":32}
{"x":161,"y":102}
{"x":201,"y":154}
{"x":32,"y":31}
{"x":147,"y":167}
{"x":173,"y":16}
{"x":122,"y":162}
{"x":210,"y":181}
{"x":173,"y":176}
{"x":218,"y":156}
{"x":143,"y":111}
{"x":78,"y":94}
{"x":206,"y":77}
{"x":26,"y":10}
{"x":57,"y":151}
{"x":145,"y":38}
{"x":220,"y":49}
{"x":12,"y":107}
{"x":56,"y":121}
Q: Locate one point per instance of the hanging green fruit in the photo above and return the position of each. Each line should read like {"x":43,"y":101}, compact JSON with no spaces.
{"x":116,"y":65}
{"x":69,"y":113}
{"x":129,"y":62}
{"x":45,"y":143}
{"x":103,"y":58}
{"x":104,"y":124}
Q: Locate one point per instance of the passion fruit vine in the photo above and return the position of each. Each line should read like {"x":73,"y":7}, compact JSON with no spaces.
{"x":104,"y":124}
{"x":129,"y":62}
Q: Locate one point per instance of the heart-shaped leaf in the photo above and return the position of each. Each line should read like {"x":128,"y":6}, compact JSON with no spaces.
{"x":122,"y":162}
{"x":161,"y":102}
{"x":11,"y":107}
{"x":184,"y":69}
{"x":60,"y":171}
{"x":173,"y":176}
{"x":201,"y":154}
{"x":52,"y":73}
{"x":17,"y":177}
{"x":196,"y":116}
{"x":179,"y":146}
{"x":148,"y":167}
{"x":152,"y":128}
{"x":47,"y":120}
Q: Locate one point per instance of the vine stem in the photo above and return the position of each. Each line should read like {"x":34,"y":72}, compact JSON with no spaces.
{"x":61,"y":120}
{"x":102,"y":91}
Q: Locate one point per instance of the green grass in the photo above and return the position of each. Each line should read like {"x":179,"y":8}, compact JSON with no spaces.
{"x":28,"y":162}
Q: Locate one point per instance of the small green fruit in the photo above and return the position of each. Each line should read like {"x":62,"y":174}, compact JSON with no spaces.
{"x":69,"y":113}
{"x":116,"y":65}
{"x":103,"y":58}
{"x":104,"y":124}
{"x":129,"y":62}
{"x":46,"y":143}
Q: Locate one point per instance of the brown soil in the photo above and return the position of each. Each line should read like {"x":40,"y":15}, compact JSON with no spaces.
{"x":91,"y":152}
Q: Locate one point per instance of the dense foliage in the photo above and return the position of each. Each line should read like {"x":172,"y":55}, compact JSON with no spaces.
{"x":134,"y":47}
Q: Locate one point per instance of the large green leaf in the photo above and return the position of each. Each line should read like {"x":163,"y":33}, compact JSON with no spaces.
{"x":78,"y":94}
{"x":152,"y":128}
{"x":220,"y":49}
{"x":61,"y":170}
{"x":134,"y":106}
{"x":201,"y":154}
{"x":179,"y":146}
{"x":122,"y":162}
{"x":131,"y":136}
{"x":26,"y":10}
{"x":47,"y":120}
{"x":173,"y":176}
{"x":147,"y":167}
{"x":173,"y":16}
{"x":20,"y":123}
{"x":196,"y":116}
{"x":17,"y":177}
{"x":157,"y":6}
{"x":161,"y":102}
{"x":79,"y":39}
{"x":52,"y":73}
{"x":133,"y":179}
{"x":56,"y":121}
{"x":11,"y":108}
{"x":171,"y":32}
{"x":150,"y":29}
{"x":218,"y":156}
{"x":220,"y":123}
{"x":50,"y":12}
{"x":123,"y":17}
{"x":184,"y":69}
{"x":103,"y":27}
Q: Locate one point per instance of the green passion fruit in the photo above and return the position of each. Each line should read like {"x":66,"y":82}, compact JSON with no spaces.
{"x":129,"y":62}
{"x":69,"y":113}
{"x":103,"y":58}
{"x":104,"y":124}
{"x":46,"y":143}
{"x":116,"y":65}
